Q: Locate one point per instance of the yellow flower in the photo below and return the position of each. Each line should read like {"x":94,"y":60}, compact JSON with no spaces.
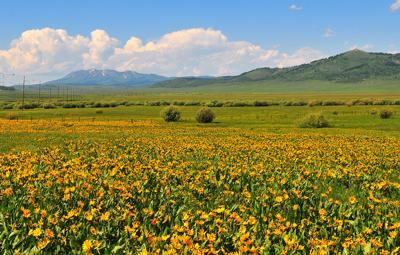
{"x":352,"y":200}
{"x":220,"y":210}
{"x":279,"y":199}
{"x":25,"y":212}
{"x":87,"y":246}
{"x":43,"y":244}
{"x":393,"y":234}
{"x":252,"y":220}
{"x":37,"y":232}
{"x":105,"y":216}
{"x":211,"y":237}
{"x":49,"y":233}
{"x":89,"y":216}
{"x":143,"y":252}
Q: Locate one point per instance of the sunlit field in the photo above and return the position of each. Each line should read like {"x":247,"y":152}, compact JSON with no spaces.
{"x":122,"y":181}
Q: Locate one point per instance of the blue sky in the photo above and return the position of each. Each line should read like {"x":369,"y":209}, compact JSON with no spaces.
{"x":327,"y":27}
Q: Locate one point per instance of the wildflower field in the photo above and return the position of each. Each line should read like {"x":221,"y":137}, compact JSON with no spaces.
{"x":145,"y":187}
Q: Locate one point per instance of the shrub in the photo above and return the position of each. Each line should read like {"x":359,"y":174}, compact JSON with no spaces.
{"x":314,"y":103}
{"x":154,"y":103}
{"x":99,"y":111}
{"x":12,"y":116}
{"x":171,"y":114}
{"x":192,"y":103}
{"x":335,"y":113}
{"x":215,"y":103}
{"x":241,"y":104}
{"x":205,"y":115}
{"x":69,"y":106}
{"x":114,"y":104}
{"x":386,"y":114}
{"x":332,"y":103}
{"x":49,"y":106}
{"x":298,"y":103}
{"x":8,"y":107}
{"x":261,"y":103}
{"x":178,"y":103}
{"x":29,"y":106}
{"x":314,"y":121}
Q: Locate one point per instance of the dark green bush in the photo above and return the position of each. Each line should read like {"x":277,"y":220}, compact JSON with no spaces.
{"x":178,"y":103}
{"x":8,"y":107}
{"x":30,"y":106}
{"x":332,"y":103}
{"x":261,"y":103}
{"x":314,"y":121}
{"x":171,"y":114}
{"x":241,"y":104}
{"x":49,"y":106}
{"x":69,"y":106}
{"x":12,"y":116}
{"x":205,"y":115}
{"x":192,"y":103}
{"x":215,"y":103}
{"x":314,"y":103}
{"x":385,"y":114}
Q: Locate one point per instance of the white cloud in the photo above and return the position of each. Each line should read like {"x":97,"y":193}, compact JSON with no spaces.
{"x":329,"y":33}
{"x":294,"y":7}
{"x":301,"y":56}
{"x":53,"y":52}
{"x":395,"y":6}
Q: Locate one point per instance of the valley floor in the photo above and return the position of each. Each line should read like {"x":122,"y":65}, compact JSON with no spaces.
{"x":124,"y":182}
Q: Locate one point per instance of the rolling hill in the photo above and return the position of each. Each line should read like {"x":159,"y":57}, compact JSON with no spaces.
{"x":108,"y":77}
{"x":7,"y":88}
{"x":350,"y":67}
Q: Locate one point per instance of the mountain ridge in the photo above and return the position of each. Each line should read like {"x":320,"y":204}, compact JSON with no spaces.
{"x":352,"y":66}
{"x":349,"y":67}
{"x":108,"y":77}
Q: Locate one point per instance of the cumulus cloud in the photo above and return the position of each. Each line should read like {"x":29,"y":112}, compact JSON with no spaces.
{"x":197,"y":51}
{"x":294,"y":7}
{"x":395,"y":6}
{"x":301,"y":56}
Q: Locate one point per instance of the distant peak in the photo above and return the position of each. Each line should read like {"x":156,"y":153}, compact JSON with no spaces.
{"x":356,"y":50}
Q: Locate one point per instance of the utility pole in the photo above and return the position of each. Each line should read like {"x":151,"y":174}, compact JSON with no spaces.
{"x":40,"y":83}
{"x":23,"y":93}
{"x":67,"y":94}
{"x":58,"y":92}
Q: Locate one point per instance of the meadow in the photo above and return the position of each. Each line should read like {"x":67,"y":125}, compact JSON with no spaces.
{"x":119,"y":180}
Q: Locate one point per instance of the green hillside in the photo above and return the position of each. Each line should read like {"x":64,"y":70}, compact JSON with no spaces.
{"x":355,"y":66}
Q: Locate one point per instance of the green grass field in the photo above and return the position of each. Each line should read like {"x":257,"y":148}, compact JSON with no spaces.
{"x":251,"y":182}
{"x":360,"y":120}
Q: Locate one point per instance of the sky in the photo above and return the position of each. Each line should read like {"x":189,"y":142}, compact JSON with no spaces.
{"x":46,"y":39}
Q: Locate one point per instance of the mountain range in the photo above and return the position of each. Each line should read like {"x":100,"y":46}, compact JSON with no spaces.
{"x":108,"y":77}
{"x":350,"y":67}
